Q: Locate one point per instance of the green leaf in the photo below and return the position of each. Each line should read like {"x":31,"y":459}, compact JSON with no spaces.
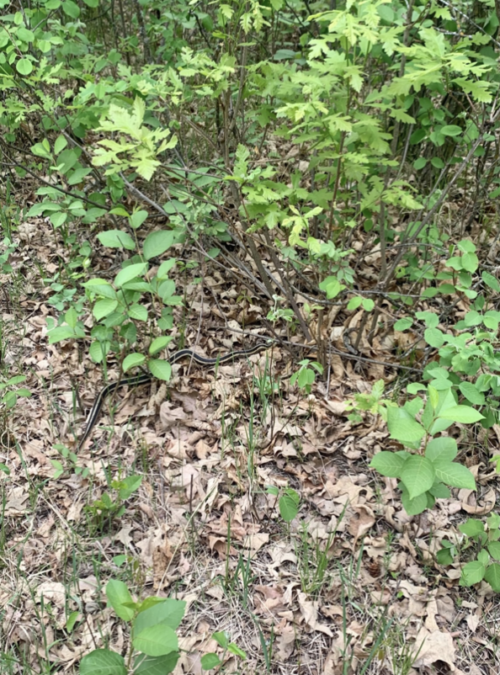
{"x":210,"y":661}
{"x":414,"y":506}
{"x":119,"y":595}
{"x":388,"y":464}
{"x":472,"y":527}
{"x":492,"y":576}
{"x":103,"y":662}
{"x":289,"y":505}
{"x":331,"y":286}
{"x":159,"y":343}
{"x":133,"y":360}
{"x":455,"y":475}
{"x":138,"y":312}
{"x":130,"y":272}
{"x":234,"y":649}
{"x":461,"y":413}
{"x":117,"y":239}
{"x":494,"y":550}
{"x":71,"y":9}
{"x":451,"y":130}
{"x":418,"y":475}
{"x":472,"y":573}
{"x":441,"y":449}
{"x":156,"y":640}
{"x":24,"y":66}
{"x":419,"y":163}
{"x":157,"y":243}
{"x":403,"y":427}
{"x":104,"y":308}
{"x":491,"y":281}
{"x":434,"y":337}
{"x":161,"y":369}
{"x":60,"y":333}
{"x":471,"y":393}
{"x":169,"y":612}
{"x":444,"y":557}
{"x":159,"y":665}
{"x":137,"y":219}
{"x":440,"y":491}
{"x":403,"y":324}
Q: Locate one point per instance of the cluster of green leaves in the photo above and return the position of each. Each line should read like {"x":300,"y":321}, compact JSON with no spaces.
{"x":154,"y":645}
{"x":10,"y":392}
{"x":469,"y":359}
{"x":482,"y":543}
{"x":119,"y":307}
{"x":107,"y":508}
{"x":427,"y":467}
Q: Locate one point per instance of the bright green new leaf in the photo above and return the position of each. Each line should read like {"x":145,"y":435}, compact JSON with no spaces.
{"x":133,"y":360}
{"x":118,"y":596}
{"x":162,"y":370}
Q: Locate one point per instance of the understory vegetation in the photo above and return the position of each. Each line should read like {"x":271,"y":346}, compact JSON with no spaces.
{"x":320,"y":178}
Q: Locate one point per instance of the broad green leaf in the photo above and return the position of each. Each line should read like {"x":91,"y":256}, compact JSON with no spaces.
{"x":491,"y":281}
{"x":492,"y":576}
{"x":137,"y":219}
{"x":117,"y":239}
{"x":441,"y":449}
{"x":103,"y":662}
{"x":161,"y":369}
{"x":494,"y":550}
{"x":455,"y":475}
{"x":169,"y":612}
{"x":119,"y":595}
{"x":156,"y":640}
{"x":159,"y":343}
{"x":210,"y":661}
{"x":157,"y":243}
{"x":403,"y":324}
{"x":60,"y":333}
{"x":158,"y":665}
{"x":130,"y":272}
{"x":472,"y":527}
{"x":388,"y":464}
{"x":289,"y":505}
{"x":461,"y":413}
{"x":418,"y":475}
{"x":24,"y":66}
{"x":414,"y":506}
{"x":451,"y":130}
{"x":403,"y":427}
{"x":440,"y":491}
{"x":471,"y":393}
{"x":138,"y":312}
{"x":434,"y":337}
{"x":472,"y":573}
{"x":133,"y":360}
{"x":104,"y":308}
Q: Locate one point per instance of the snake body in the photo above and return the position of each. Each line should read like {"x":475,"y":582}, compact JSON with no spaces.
{"x":145,"y":378}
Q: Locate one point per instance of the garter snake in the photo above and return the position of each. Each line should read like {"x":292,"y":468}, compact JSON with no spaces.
{"x":145,"y":378}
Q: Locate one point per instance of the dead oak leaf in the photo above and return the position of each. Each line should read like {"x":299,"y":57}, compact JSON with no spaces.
{"x":309,"y":611}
